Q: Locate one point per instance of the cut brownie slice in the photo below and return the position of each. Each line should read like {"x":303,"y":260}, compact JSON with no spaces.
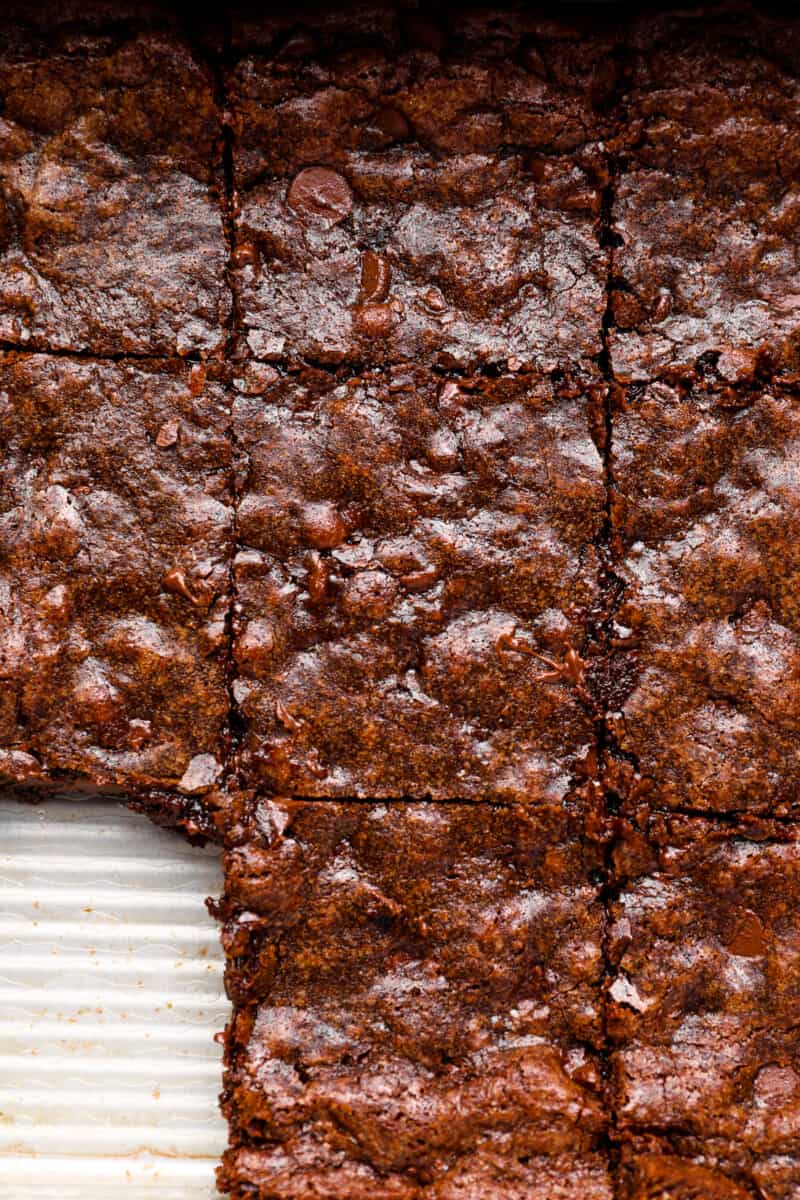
{"x":650,"y":1168}
{"x":417,"y":1002}
{"x":708,"y":513}
{"x":115,"y":547}
{"x":414,"y":580}
{"x":707,"y":206}
{"x":705,"y":1007}
{"x":111,"y":238}
{"x":405,"y":201}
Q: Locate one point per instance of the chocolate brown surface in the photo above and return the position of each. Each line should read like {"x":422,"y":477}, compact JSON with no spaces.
{"x":704,"y":1005}
{"x":706,"y":205}
{"x":491,"y":505}
{"x":434,"y":192}
{"x":415,"y":574}
{"x":707,"y":511}
{"x":115,"y":543}
{"x":417,"y":994}
{"x":111,"y":236}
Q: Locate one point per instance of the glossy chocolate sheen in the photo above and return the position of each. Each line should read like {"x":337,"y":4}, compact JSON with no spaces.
{"x":417,"y":996}
{"x":704,"y":1007}
{"x":707,"y":205}
{"x":462,"y":170}
{"x":415,"y":568}
{"x":111,"y":236}
{"x":115,"y":543}
{"x":707,"y":512}
{"x":451,"y":584}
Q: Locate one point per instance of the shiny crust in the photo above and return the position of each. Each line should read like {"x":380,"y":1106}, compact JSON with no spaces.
{"x":708,"y":514}
{"x":111,"y":237}
{"x":409,"y":543}
{"x":704,"y":1007}
{"x":115,"y":543}
{"x":417,"y":991}
{"x":482,"y":210}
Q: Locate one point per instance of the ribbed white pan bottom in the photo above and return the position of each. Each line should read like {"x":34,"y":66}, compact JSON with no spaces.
{"x":110,"y":994}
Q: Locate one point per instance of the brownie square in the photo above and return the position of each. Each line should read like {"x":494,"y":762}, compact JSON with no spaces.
{"x":649,"y":1167}
{"x":111,"y":233}
{"x":417,"y":1002}
{"x":115,"y":551}
{"x":433,"y":199}
{"x":704,"y":1004}
{"x":707,"y":207}
{"x":414,"y":581}
{"x":707,"y":514}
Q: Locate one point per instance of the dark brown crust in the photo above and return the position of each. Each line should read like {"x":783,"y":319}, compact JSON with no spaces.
{"x":416,"y":992}
{"x":414,"y":547}
{"x":111,"y":236}
{"x":515,"y":355}
{"x":348,"y":145}
{"x":708,"y":523}
{"x":115,"y":545}
{"x":703,"y":1007}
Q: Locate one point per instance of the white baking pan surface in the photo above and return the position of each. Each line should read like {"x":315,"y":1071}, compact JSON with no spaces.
{"x":110,"y":995}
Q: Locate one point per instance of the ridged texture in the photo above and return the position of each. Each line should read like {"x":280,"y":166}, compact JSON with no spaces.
{"x":110,"y":994}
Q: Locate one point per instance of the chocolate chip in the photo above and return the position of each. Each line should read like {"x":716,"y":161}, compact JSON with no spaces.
{"x":376,"y":275}
{"x":168,"y":433}
{"x":374,"y":320}
{"x":300,"y":43}
{"x":322,"y":525}
{"x":175,"y":581}
{"x":392,"y":124}
{"x":320,"y":195}
{"x":245,"y":255}
{"x":748,"y":937}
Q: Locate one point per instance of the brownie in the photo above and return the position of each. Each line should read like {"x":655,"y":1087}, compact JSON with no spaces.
{"x":416,"y":997}
{"x":704,"y":1006}
{"x":649,"y":1168}
{"x":115,"y":549}
{"x":405,"y":192}
{"x":415,"y":574}
{"x":706,"y":205}
{"x":111,"y":232}
{"x":708,"y":521}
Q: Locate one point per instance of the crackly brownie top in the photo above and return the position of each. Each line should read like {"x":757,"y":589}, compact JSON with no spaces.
{"x":433,"y":202}
{"x":705,"y":996}
{"x":418,"y":984}
{"x":707,"y":204}
{"x":707,"y":512}
{"x":653,"y":1166}
{"x":114,"y":558}
{"x":412,"y":548}
{"x":110,"y":237}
